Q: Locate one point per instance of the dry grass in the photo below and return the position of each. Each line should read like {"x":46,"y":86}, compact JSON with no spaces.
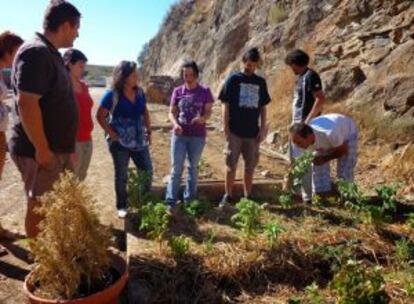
{"x":71,"y":248}
{"x":277,"y":14}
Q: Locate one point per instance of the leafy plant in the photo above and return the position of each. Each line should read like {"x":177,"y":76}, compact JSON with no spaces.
{"x":316,"y":200}
{"x":208,"y":243}
{"x":410,"y":220}
{"x":248,"y":217}
{"x":179,"y":246}
{"x":154,"y":219}
{"x":296,"y":173}
{"x":138,"y":188}
{"x":404,"y":251}
{"x":272,"y":231}
{"x":383,"y":213}
{"x":388,"y":193}
{"x":196,"y":208}
{"x":357,"y":283}
{"x":71,"y":248}
{"x":350,"y":195}
{"x":312,"y":294}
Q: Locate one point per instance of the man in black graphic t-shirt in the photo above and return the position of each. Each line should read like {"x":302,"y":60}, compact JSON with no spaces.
{"x":244,"y":97}
{"x":308,"y":100}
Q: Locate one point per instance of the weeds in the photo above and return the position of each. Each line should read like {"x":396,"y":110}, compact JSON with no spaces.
{"x":248,"y":217}
{"x":359,"y":284}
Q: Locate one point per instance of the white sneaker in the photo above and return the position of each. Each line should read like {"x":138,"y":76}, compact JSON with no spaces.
{"x":122,"y":213}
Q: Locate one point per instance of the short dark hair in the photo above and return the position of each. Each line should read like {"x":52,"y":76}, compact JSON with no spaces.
{"x":191,"y":65}
{"x":302,"y":129}
{"x":297,"y":57}
{"x":252,"y":54}
{"x":9,"y":42}
{"x":120,"y":73}
{"x":72,"y":56}
{"x":58,"y":12}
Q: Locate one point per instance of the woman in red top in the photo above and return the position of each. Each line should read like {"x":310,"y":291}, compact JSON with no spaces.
{"x":75,"y":61}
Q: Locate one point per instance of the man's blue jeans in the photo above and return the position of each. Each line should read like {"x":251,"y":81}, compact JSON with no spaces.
{"x":183,"y":147}
{"x":120,"y":157}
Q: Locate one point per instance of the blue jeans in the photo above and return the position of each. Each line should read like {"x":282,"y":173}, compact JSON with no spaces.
{"x":120,"y":157}
{"x":182,"y":147}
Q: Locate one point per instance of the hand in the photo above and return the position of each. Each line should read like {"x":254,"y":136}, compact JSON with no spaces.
{"x":262,"y":135}
{"x":112,"y":135}
{"x":226,"y":131}
{"x":148,"y":138}
{"x":178,"y":130}
{"x":45,"y":158}
{"x":198,"y":120}
{"x":319,"y":160}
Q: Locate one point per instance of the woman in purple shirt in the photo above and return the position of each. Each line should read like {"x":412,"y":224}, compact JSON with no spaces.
{"x":190,"y":108}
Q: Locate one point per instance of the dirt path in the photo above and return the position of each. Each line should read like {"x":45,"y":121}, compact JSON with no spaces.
{"x":13,"y":267}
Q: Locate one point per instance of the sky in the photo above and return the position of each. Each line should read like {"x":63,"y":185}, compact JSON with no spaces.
{"x":111,"y":30}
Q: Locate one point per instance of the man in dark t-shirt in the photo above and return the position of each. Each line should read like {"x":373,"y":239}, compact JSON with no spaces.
{"x":44,"y":132}
{"x":308,"y":101}
{"x":244,"y":97}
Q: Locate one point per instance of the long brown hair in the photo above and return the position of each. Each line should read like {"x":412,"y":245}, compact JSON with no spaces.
{"x":8,"y":43}
{"x":120,"y":74}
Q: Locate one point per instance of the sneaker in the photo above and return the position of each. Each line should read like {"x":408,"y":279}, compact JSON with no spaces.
{"x":225,"y":201}
{"x":122,"y":213}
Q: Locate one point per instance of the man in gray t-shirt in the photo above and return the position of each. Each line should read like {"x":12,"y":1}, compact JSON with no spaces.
{"x":44,"y":133}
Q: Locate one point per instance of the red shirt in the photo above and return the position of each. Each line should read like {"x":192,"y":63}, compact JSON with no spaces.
{"x":85,"y":103}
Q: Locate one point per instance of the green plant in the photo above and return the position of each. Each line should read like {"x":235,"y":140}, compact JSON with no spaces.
{"x":377,"y":215}
{"x":350,"y":195}
{"x":357,"y":283}
{"x":312,"y":294}
{"x":248,"y":217}
{"x":138,"y":188}
{"x":295,"y":176}
{"x":179,"y":246}
{"x":71,"y":248}
{"x":209,"y":242}
{"x":388,"y":193}
{"x":154,"y":219}
{"x":272,"y":231}
{"x":316,"y":200}
{"x":404,"y":251}
{"x":196,"y":208}
{"x":410,"y":220}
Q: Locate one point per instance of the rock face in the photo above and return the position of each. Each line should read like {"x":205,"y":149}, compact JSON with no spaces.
{"x":363,"y":49}
{"x":159,"y":89}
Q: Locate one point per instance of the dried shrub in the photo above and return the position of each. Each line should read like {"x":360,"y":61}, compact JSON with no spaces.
{"x":71,"y":249}
{"x":277,"y":14}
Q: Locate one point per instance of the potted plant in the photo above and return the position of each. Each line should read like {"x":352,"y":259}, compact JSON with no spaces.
{"x":73,"y":263}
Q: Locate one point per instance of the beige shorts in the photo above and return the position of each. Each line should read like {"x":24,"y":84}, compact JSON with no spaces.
{"x":247,"y":147}
{"x":38,"y":180}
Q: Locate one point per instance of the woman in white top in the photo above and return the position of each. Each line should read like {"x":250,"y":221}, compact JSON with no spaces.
{"x":9,"y":43}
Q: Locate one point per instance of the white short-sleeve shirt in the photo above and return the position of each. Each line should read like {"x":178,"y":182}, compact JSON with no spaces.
{"x":332,"y":130}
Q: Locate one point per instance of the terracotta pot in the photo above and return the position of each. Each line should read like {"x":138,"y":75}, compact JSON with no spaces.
{"x":109,"y":295}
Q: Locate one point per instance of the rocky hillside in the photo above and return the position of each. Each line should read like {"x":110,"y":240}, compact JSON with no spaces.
{"x":363,"y":50}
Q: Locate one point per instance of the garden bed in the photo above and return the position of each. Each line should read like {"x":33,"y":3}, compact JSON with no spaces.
{"x":295,"y":254}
